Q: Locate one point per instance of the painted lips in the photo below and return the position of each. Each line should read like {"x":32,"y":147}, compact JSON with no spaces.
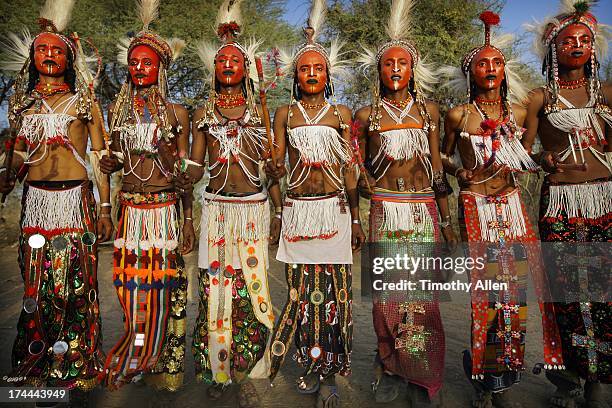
{"x":491,"y":77}
{"x":396,"y":77}
{"x":312,"y":82}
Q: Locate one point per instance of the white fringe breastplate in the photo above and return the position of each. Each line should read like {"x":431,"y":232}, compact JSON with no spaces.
{"x":53,"y":209}
{"x":320,"y":145}
{"x":583,"y":129}
{"x":42,"y":129}
{"x":510,"y":153}
{"x":138,"y":137}
{"x":402,"y":144}
{"x":232,"y":137}
{"x":45,"y":127}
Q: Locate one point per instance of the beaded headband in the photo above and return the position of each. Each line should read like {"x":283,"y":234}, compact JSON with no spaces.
{"x":489,"y":19}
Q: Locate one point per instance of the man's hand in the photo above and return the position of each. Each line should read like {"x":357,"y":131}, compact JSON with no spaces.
{"x":275,"y":170}
{"x":465,"y":176}
{"x":357,"y":236}
{"x":550,"y":162}
{"x":109,"y":164}
{"x":450,"y":238}
{"x":183,"y":183}
{"x":366,"y":185}
{"x":188,"y":237}
{"x":105,"y":229}
{"x":275,"y":230}
{"x":7,"y":184}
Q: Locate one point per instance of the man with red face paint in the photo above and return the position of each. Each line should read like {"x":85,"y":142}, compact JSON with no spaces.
{"x":319,"y":226}
{"x":150,"y":136}
{"x":399,"y":138}
{"x":572,"y":116}
{"x":492,"y":217}
{"x":235,"y":318}
{"x":58,"y":340}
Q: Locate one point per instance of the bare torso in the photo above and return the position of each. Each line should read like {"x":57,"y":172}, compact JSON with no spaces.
{"x":555,"y":140}
{"x":317,"y":181}
{"x":55,"y":162}
{"x":490,"y":180}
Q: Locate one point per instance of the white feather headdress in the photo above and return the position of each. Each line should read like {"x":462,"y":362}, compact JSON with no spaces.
{"x":167,"y":49}
{"x":54,"y":18}
{"x":228,"y":25}
{"x":337,"y":67}
{"x":399,"y":28}
{"x":570,"y":11}
{"x":458,"y":77}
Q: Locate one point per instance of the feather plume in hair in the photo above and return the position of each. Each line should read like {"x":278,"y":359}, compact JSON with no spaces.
{"x":229,"y":11}
{"x":57,"y":12}
{"x":177,"y":45}
{"x":316,"y":18}
{"x":400,"y":21}
{"x":15,"y":50}
{"x":148,"y":11}
{"x":575,"y":6}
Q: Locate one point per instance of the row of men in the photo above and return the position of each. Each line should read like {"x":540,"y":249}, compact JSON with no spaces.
{"x":390,"y":151}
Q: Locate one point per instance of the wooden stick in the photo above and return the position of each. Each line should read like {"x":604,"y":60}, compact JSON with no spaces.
{"x":8,"y":161}
{"x":264,"y":107}
{"x":98,"y":107}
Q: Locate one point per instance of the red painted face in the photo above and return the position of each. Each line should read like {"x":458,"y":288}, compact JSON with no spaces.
{"x":395,"y":68}
{"x":143,"y":64}
{"x":50,"y":55}
{"x":488,"y":69}
{"x":311,"y":73}
{"x":229,"y":66}
{"x":574,"y":46}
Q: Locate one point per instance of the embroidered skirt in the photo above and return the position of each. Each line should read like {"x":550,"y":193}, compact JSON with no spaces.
{"x":316,"y":247}
{"x":409,"y":330}
{"x":149,"y":277}
{"x":59,"y":336}
{"x":585,"y":328}
{"x":235,"y":309}
{"x":498,"y":230}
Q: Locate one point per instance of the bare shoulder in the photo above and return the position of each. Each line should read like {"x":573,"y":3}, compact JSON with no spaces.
{"x":455,"y":115}
{"x":432,"y":106}
{"x":179,"y":109}
{"x":519,"y":109}
{"x":282,"y":110}
{"x":345,"y":111}
{"x":535,"y":98}
{"x":363,"y":114}
{"x":199,"y":113}
{"x":111,"y":106}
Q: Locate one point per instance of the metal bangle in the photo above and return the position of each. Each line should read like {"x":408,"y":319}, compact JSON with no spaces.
{"x":106,"y":205}
{"x":445,"y":224}
{"x":356,"y":222}
{"x":279,"y":216}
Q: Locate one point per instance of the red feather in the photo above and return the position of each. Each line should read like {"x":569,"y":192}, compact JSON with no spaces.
{"x":489,"y":18}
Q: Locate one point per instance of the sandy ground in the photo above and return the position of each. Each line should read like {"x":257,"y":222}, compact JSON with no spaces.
{"x":355,"y":391}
